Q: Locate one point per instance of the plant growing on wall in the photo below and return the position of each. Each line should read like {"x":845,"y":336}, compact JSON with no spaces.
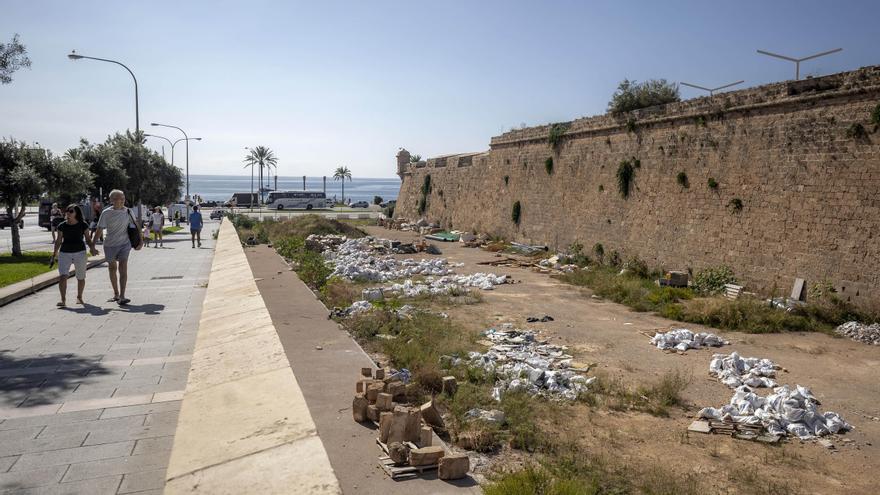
{"x":506,"y":179}
{"x":682,"y":179}
{"x":631,"y":125}
{"x":856,"y":131}
{"x":626,"y":173}
{"x":548,"y":165}
{"x":557,"y":132}
{"x":601,"y":188}
{"x":736,"y":205}
{"x":423,"y":205}
{"x":712,"y":183}
{"x":516,"y":212}
{"x":875,"y":117}
{"x":599,"y":251}
{"x":632,"y":95}
{"x":700,"y":121}
{"x":426,"y":190}
{"x":415,"y":158}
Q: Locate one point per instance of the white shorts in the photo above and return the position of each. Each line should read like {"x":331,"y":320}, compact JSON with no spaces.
{"x":78,"y":260}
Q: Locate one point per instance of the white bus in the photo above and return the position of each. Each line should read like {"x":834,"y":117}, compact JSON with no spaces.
{"x":296,"y":199}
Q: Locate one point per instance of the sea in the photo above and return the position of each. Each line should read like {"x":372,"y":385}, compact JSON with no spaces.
{"x":221,"y":187}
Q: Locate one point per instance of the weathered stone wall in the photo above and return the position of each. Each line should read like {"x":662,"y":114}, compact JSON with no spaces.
{"x":792,"y":153}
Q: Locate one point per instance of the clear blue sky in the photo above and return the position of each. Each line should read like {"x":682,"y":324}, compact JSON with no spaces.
{"x":347,"y":83}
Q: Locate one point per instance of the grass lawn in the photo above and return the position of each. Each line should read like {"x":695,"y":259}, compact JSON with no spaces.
{"x":15,"y":269}
{"x":170,"y":230}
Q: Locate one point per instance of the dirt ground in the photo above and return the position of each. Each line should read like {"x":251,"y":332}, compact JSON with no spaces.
{"x":841,"y":373}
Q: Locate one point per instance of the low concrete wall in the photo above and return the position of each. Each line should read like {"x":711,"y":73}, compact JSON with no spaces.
{"x":244,"y":426}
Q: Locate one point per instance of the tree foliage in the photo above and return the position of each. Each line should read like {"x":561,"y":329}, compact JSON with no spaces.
{"x":13,"y":56}
{"x":261,"y":156}
{"x":342,"y":173}
{"x":632,"y":95}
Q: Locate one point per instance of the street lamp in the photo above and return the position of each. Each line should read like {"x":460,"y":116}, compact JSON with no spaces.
{"x":187,"y":139}
{"x":797,"y":61}
{"x":173,"y":144}
{"x":251,"y":199}
{"x":711,"y":90}
{"x":137,"y":119}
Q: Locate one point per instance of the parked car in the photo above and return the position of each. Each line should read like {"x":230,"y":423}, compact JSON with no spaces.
{"x":329,"y":202}
{"x":216,"y":214}
{"x":360,"y":204}
{"x":6,"y":221}
{"x":386,"y":204}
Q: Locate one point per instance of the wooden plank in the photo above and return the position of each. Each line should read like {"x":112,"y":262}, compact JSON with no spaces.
{"x":797,"y":290}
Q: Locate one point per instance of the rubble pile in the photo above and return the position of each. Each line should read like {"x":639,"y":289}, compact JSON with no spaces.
{"x":446,"y":284}
{"x":735,"y":371}
{"x":521,"y":362}
{"x":554,"y":263}
{"x":325,"y":242}
{"x":868,"y":334}
{"x":683,"y":339}
{"x":784,"y":412}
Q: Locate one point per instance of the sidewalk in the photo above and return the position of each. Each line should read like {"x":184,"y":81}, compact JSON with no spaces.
{"x":89,"y":395}
{"x":327,"y":363}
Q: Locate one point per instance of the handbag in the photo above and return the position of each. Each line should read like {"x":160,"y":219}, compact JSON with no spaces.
{"x":134,"y":234}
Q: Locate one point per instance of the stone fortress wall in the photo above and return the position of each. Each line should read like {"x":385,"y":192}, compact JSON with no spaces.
{"x":802,"y":158}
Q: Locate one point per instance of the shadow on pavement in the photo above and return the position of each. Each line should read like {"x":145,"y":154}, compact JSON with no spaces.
{"x":147,"y":309}
{"x":43,"y":379}
{"x":89,"y":309}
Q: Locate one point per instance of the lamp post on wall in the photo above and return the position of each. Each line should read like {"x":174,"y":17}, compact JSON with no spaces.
{"x":797,"y":61}
{"x":137,"y":118}
{"x":711,"y":90}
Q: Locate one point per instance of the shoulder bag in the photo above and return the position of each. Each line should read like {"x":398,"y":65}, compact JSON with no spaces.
{"x":134,"y":234}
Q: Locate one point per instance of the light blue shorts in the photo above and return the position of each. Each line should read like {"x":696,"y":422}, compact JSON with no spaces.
{"x":78,"y":260}
{"x":117,"y":253}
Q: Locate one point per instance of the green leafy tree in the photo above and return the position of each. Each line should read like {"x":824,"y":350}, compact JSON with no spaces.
{"x":13,"y":56}
{"x":632,"y":95}
{"x":415,"y":158}
{"x":342,"y":173}
{"x":261,"y":156}
{"x":103,"y":162}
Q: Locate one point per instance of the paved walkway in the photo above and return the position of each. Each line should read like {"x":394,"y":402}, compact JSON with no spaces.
{"x":89,"y":396}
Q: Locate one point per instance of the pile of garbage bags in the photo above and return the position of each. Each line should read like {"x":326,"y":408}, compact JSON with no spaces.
{"x":786,"y":411}
{"x":735,"y":371}
{"x":868,"y":334}
{"x":445,"y":285}
{"x":325,"y":242}
{"x":521,"y":362}
{"x":356,"y":259}
{"x":683,"y":339}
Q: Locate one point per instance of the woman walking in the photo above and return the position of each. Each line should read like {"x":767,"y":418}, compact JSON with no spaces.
{"x":56,"y":216}
{"x":71,"y":234}
{"x":157,"y":223}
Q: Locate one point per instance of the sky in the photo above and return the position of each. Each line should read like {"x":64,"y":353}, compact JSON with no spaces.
{"x":332,"y":83}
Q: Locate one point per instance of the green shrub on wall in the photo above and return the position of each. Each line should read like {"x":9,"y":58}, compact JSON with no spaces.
{"x":557,"y":132}
{"x":736,"y":205}
{"x":506,"y":179}
{"x":712,"y":183}
{"x":682,"y":179}
{"x":516,"y":212}
{"x":626,"y":173}
{"x":426,"y":185}
{"x":548,"y":165}
{"x":875,"y":117}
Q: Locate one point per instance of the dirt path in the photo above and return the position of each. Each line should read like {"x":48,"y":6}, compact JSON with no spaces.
{"x":843,"y":374}
{"x":327,"y":378}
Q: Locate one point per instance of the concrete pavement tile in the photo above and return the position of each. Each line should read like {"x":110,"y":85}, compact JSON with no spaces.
{"x":117,"y":412}
{"x":20,"y":433}
{"x":168,"y":396}
{"x":26,"y":446}
{"x":81,"y":405}
{"x":7,"y":462}
{"x":134,"y":433}
{"x":154,"y":445}
{"x":147,"y":480}
{"x":51,"y":419}
{"x":122,"y":465}
{"x":74,"y":455}
{"x":162,"y":418}
{"x":23,"y":412}
{"x":32,"y":478}
{"x":100,"y":425}
{"x":97,"y":486}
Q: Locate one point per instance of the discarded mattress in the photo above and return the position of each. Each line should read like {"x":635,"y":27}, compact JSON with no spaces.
{"x":735,"y":371}
{"x":786,"y":411}
{"x":683,"y":339}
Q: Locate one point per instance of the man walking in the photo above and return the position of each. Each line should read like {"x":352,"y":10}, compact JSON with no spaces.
{"x":195,"y":226}
{"x":117,"y":246}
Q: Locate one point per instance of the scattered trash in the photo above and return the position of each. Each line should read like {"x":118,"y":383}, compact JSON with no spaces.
{"x":443,"y":236}
{"x":355,"y":308}
{"x":784,"y":412}
{"x":542,"y":319}
{"x":446,"y":284}
{"x":868,"y":334}
{"x":683,"y":339}
{"x":674,"y":279}
{"x":520,"y":362}
{"x":735,"y":371}
{"x":372,"y":294}
{"x":491,"y":415}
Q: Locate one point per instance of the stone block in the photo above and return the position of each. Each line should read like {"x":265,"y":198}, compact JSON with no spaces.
{"x":359,"y":408}
{"x":454,"y":467}
{"x":431,"y":415}
{"x":426,"y":435}
{"x":426,"y":456}
{"x":450,"y":385}
{"x":372,"y":413}
{"x":398,"y":452}
{"x":380,"y":374}
{"x":373,"y":391}
{"x":385,"y":421}
{"x":367,"y":372}
{"x":397,"y":390}
{"x":384,"y":402}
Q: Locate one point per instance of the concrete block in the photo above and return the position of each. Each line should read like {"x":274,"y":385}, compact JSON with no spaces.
{"x":385,"y":420}
{"x":397,"y":430}
{"x":372,"y":412}
{"x":431,"y":415}
{"x":426,"y":435}
{"x":397,"y":390}
{"x":373,"y":391}
{"x":384,"y":402}
{"x":367,"y":372}
{"x":426,"y":456}
{"x":454,"y":467}
{"x":359,"y":408}
{"x":380,"y":374}
{"x":399,"y":453}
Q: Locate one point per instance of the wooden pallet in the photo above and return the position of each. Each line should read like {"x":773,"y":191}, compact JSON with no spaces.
{"x":398,"y":472}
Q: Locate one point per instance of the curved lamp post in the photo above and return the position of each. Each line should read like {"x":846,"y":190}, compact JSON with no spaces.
{"x":187,"y":139}
{"x":174,"y":143}
{"x":137,"y":119}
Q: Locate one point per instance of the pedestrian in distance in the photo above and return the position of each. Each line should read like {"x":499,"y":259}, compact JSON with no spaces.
{"x":70,"y":249}
{"x":96,"y":215}
{"x":56,"y":216}
{"x":117,"y":220}
{"x":195,"y":226}
{"x":157,"y":223}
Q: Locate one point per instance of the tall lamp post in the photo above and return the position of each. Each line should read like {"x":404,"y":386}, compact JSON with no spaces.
{"x":185,"y":138}
{"x":137,"y":118}
{"x":797,"y":61}
{"x":174,"y":143}
{"x":711,"y":90}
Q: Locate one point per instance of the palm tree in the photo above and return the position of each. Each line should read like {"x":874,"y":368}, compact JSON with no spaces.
{"x":264,"y":157}
{"x":342,"y":173}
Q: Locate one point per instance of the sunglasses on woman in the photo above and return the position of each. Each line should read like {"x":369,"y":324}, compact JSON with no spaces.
{"x":71,"y":211}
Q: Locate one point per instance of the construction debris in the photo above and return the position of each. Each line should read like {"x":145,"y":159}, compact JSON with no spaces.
{"x":453,"y":466}
{"x":489,"y":416}
{"x":542,"y":319}
{"x":447,"y":284}
{"x":683,"y":339}
{"x":521,"y":362}
{"x":735,"y":371}
{"x":868,"y":334}
{"x":784,"y":412}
